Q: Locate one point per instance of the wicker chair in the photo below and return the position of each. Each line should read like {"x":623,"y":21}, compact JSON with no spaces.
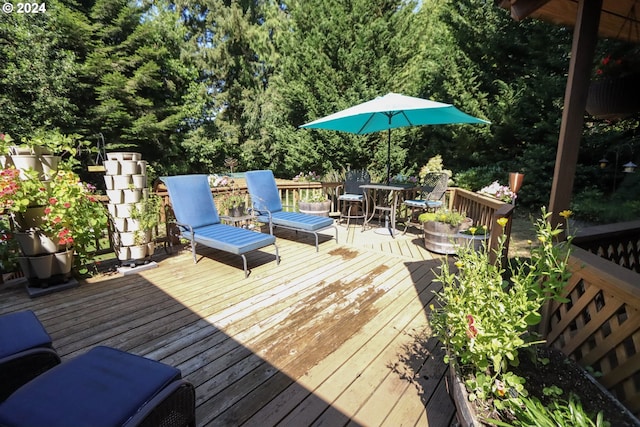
{"x":25,"y":351}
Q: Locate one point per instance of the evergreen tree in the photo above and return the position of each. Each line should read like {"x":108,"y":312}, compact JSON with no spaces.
{"x":42,"y":55}
{"x":335,"y":54}
{"x":140,"y":79}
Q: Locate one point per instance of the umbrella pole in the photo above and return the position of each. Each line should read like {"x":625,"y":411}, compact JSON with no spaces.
{"x":389,"y":154}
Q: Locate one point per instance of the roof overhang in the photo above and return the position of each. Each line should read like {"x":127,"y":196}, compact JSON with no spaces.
{"x":619,"y":19}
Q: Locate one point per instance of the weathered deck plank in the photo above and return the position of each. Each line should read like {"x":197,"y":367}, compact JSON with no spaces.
{"x":331,"y":338}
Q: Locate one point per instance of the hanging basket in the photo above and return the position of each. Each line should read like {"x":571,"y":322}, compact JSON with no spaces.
{"x":614,"y":98}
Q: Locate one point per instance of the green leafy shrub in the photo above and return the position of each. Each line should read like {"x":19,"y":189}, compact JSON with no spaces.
{"x":485,"y":312}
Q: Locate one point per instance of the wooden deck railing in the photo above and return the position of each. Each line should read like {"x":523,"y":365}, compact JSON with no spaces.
{"x":619,"y":243}
{"x":484,"y":210}
{"x":600,"y":325}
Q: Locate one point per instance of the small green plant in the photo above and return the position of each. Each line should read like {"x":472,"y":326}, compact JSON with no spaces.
{"x":453,"y":218}
{"x":314,"y":196}
{"x":5,"y":142}
{"x":55,"y":142}
{"x":480,"y":230}
{"x":147,"y":213}
{"x":231,"y":200}
{"x":530,"y":412}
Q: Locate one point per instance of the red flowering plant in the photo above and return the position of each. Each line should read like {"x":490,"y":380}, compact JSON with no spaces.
{"x":16,"y":194}
{"x":619,"y":64}
{"x":485,"y":312}
{"x":73,"y":215}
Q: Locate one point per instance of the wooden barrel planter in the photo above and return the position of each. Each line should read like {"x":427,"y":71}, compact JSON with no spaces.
{"x":614,"y":98}
{"x":442,"y":238}
{"x":315,"y":208}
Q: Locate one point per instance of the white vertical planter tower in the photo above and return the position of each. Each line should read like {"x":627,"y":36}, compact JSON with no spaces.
{"x":126,"y":180}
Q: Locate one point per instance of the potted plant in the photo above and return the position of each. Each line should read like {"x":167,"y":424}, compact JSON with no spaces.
{"x":441,"y":229}
{"x":146,"y":216}
{"x":9,"y":250}
{"x":499,"y":191}
{"x":476,"y":237}
{"x":404,"y":180}
{"x":233,"y":204}
{"x":315,"y":202}
{"x":485,"y":315}
{"x":22,"y":199}
{"x":73,"y":216}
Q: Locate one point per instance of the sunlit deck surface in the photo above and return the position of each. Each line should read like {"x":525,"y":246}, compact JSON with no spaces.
{"x":338,"y":337}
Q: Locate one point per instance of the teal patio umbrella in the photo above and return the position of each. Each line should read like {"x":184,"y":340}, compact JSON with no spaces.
{"x":392,"y":111}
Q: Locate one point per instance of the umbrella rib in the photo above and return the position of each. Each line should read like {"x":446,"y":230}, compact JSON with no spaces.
{"x":364,"y":125}
{"x":406,"y":117}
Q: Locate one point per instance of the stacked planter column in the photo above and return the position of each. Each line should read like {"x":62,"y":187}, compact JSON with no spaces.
{"x":43,"y":262}
{"x":126,"y":184}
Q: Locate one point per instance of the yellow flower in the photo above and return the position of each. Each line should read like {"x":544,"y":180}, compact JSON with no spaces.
{"x":473,"y":230}
{"x":432,"y":307}
{"x":542,"y":239}
{"x":566,"y":214}
{"x":529,"y":242}
{"x":459,"y":264}
{"x":502,"y":221}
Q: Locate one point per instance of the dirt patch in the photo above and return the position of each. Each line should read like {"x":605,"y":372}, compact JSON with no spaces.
{"x":564,"y":373}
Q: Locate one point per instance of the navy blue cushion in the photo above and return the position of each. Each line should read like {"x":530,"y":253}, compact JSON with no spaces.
{"x":103,"y":387}
{"x":231,"y":239}
{"x":21,"y":331}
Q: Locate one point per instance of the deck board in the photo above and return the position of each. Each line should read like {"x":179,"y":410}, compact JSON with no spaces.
{"x":337,"y":337}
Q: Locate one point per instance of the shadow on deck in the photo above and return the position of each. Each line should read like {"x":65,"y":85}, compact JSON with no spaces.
{"x":338,"y":337}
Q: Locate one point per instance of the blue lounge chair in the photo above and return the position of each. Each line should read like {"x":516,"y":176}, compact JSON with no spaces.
{"x":267,"y":207}
{"x":103,"y":387}
{"x":198,"y":220}
{"x":25,"y":351}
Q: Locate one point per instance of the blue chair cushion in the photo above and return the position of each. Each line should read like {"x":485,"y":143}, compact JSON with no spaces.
{"x":263,"y":190}
{"x":425,"y":204}
{"x":191,"y":200}
{"x":231,"y":239}
{"x":103,"y":387}
{"x":351,"y":197}
{"x":21,"y":331}
{"x":298,"y":220}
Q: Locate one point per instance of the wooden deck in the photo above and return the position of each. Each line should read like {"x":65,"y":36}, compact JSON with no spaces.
{"x":338,"y":337}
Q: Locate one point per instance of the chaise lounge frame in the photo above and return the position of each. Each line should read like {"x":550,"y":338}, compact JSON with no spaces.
{"x":267,"y":208}
{"x":198,"y":220}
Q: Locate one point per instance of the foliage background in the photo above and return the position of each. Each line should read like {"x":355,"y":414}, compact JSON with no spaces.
{"x":191,"y":83}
